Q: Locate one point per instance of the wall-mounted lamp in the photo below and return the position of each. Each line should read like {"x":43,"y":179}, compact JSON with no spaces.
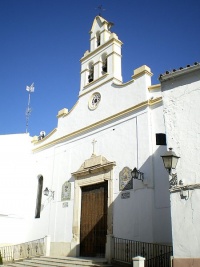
{"x":170,"y":160}
{"x":47,"y":192}
{"x":136,"y":174}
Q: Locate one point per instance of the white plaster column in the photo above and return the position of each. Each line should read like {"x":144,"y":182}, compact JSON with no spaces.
{"x":93,"y":43}
{"x":96,"y":71}
{"x":114,"y":63}
{"x":105,"y":34}
{"x":84,"y":78}
{"x":100,"y":71}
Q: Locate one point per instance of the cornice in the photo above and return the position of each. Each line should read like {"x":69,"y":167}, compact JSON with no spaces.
{"x":63,"y":112}
{"x":99,"y":48}
{"x":122,"y":84}
{"x":95,"y":81}
{"x":35,"y":138}
{"x":94,"y":169}
{"x":136,"y":76}
{"x":154,"y":87}
{"x":97,"y":86}
{"x":154,"y":101}
{"x":177,"y":73}
{"x":99,"y":123}
{"x":71,"y":109}
{"x":114,"y":52}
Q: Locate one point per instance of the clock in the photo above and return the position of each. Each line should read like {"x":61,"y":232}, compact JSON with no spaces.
{"x":94,"y":101}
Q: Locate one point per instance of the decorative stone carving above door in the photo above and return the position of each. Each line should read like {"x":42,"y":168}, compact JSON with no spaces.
{"x":95,"y":164}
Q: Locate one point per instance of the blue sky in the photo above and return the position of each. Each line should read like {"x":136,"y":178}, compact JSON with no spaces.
{"x":42,"y":41}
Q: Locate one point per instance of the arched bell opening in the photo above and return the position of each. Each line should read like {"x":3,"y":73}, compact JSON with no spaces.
{"x":104,"y":63}
{"x":91,"y":72}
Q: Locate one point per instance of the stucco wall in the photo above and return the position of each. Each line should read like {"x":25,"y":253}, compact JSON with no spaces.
{"x":17,"y":203}
{"x":129,"y":141}
{"x":181,"y":97}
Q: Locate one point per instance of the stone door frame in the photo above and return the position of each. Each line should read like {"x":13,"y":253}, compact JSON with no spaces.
{"x":95,"y":170}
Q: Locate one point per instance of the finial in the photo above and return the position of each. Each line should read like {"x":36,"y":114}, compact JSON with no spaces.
{"x":101,"y":9}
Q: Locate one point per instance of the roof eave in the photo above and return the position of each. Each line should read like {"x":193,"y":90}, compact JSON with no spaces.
{"x":177,"y":73}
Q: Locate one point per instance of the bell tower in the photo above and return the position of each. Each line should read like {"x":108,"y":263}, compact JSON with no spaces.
{"x":103,"y":62}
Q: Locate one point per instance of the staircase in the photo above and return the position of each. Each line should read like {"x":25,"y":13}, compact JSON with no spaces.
{"x":61,"y":262}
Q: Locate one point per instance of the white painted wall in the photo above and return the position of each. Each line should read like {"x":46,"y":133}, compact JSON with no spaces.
{"x":17,"y":203}
{"x":181,"y":111}
{"x":129,"y":141}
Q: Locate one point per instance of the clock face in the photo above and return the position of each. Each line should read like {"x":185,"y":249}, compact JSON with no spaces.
{"x":94,"y":101}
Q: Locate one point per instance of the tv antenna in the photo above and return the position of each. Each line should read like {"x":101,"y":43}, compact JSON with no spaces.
{"x":30,"y":90}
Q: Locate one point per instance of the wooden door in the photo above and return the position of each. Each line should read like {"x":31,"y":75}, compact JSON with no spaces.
{"x":93,"y":228}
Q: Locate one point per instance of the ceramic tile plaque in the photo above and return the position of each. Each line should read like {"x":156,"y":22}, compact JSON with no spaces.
{"x":66,"y":191}
{"x":125,"y":179}
{"x":125,"y":195}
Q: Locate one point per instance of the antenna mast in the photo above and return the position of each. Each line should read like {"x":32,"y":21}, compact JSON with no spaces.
{"x":30,"y":90}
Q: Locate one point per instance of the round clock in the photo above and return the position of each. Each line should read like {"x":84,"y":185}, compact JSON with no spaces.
{"x":94,"y":100}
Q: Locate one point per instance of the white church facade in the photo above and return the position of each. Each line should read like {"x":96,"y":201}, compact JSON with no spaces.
{"x":86,"y":163}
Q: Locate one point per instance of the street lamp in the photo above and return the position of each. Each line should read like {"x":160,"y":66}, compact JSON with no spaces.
{"x":170,"y":160}
{"x":136,"y":174}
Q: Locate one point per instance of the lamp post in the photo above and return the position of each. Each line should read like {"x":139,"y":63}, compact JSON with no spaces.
{"x":170,"y":160}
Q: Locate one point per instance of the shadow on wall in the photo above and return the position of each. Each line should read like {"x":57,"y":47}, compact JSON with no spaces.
{"x":143,"y":212}
{"x":140,"y":213}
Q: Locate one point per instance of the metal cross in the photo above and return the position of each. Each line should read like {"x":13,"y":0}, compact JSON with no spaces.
{"x":101,"y":9}
{"x":93,"y":143}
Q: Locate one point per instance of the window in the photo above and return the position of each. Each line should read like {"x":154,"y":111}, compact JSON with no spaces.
{"x":39,"y":197}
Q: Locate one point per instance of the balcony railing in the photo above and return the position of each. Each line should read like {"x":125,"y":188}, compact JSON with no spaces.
{"x":22,"y":251}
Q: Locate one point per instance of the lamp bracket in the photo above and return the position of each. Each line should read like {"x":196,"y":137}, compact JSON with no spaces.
{"x":52,"y":194}
{"x":49,"y":193}
{"x":173,"y":181}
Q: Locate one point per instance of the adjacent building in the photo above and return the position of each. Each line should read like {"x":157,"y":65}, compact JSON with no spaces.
{"x":180,"y":92}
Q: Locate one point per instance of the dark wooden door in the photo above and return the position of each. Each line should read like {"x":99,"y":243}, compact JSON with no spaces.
{"x":93,"y":226}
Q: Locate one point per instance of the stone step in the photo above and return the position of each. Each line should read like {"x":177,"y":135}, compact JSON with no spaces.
{"x":61,"y":262}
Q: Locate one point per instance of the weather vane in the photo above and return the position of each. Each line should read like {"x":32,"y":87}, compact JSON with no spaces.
{"x":101,"y":9}
{"x":30,"y":90}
